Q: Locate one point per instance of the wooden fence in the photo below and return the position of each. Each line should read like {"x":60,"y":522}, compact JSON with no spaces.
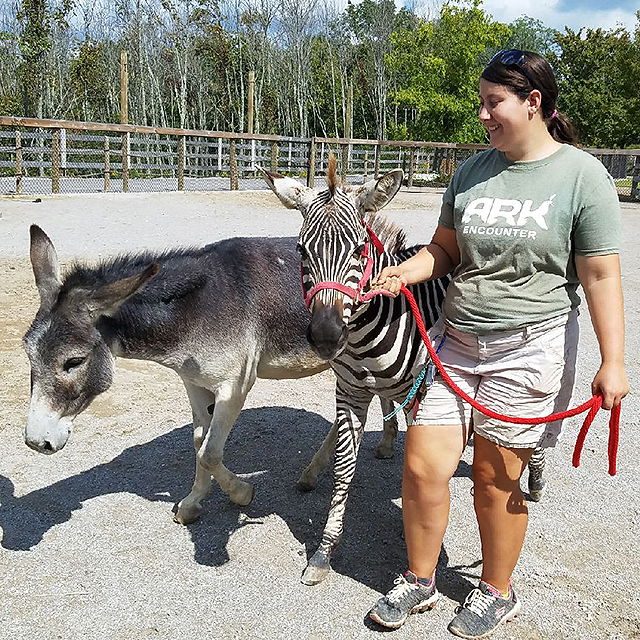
{"x":54,"y":156}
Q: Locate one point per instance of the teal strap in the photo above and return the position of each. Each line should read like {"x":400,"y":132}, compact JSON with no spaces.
{"x":428,"y":371}
{"x":410,"y":395}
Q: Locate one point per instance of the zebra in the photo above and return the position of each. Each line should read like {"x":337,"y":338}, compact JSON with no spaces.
{"x":371,"y":341}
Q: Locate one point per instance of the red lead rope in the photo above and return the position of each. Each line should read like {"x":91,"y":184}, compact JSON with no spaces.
{"x":593,"y":405}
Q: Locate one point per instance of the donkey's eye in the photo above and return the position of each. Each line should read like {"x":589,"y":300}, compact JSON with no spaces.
{"x":72,"y":363}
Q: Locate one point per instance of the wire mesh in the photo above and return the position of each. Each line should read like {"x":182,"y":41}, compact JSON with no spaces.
{"x":44,"y":160}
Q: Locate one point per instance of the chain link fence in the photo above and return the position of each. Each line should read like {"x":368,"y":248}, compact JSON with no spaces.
{"x":39,"y":157}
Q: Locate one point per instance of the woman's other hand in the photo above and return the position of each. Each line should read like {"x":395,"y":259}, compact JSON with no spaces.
{"x":611,"y":383}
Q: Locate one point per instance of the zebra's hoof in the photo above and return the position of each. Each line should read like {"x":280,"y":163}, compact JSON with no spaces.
{"x":317,"y":569}
{"x":384,"y":452}
{"x":536,"y":491}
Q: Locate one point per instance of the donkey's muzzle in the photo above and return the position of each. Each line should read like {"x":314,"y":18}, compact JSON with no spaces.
{"x":327,"y":333}
{"x":46,"y":431}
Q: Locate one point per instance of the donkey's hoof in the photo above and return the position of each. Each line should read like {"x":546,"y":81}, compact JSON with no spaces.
{"x":384,"y":452}
{"x":242,"y":494}
{"x":307,"y":483}
{"x":187,"y":513}
{"x":317,"y":569}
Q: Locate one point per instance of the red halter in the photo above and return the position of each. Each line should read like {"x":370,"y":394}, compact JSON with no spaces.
{"x":354,"y":293}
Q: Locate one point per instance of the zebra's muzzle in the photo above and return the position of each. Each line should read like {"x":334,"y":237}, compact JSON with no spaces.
{"x":327,"y":333}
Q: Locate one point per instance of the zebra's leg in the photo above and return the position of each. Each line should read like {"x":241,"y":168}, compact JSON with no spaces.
{"x":202,"y":401}
{"x":351,"y":414}
{"x":228,"y":404}
{"x":320,"y":461}
{"x":386,"y":446}
{"x":536,"y":482}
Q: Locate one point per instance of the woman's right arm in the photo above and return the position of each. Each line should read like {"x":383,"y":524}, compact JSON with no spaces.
{"x":437,"y":259}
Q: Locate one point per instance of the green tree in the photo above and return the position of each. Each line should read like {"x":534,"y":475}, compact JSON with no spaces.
{"x":34,"y":43}
{"x":437,"y":66}
{"x":598,"y":72}
{"x":530,"y":34}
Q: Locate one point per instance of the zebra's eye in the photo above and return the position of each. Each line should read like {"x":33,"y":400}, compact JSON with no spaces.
{"x":302,"y":251}
{"x":73,"y":363}
{"x":359,"y":251}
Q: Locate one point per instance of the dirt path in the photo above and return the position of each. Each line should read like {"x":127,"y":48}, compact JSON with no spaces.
{"x":89,"y":549}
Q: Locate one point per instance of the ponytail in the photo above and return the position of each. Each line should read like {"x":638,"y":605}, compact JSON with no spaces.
{"x":561,"y":128}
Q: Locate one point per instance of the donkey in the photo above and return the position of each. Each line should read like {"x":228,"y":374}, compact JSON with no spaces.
{"x":372,"y":341}
{"x":220,"y":316}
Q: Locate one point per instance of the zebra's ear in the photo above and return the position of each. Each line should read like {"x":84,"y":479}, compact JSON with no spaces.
{"x":291,"y":193}
{"x":375,"y":194}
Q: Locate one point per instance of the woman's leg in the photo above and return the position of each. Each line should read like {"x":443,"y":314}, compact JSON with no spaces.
{"x":431,"y":457}
{"x":500,"y":508}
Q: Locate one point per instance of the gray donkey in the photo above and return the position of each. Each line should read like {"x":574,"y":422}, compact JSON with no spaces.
{"x":220,"y":316}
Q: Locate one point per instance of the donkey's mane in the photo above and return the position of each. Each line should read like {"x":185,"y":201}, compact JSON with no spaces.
{"x":389,"y":233}
{"x":169,"y":283}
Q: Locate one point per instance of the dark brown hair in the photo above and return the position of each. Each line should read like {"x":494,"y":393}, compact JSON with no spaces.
{"x":534,"y":72}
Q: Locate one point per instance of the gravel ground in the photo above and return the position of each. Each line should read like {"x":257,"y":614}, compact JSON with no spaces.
{"x":89,"y":549}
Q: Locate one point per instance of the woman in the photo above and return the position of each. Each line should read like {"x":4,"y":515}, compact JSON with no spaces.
{"x":522,"y":224}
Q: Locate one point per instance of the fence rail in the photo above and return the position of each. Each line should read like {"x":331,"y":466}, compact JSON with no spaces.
{"x":62,"y":156}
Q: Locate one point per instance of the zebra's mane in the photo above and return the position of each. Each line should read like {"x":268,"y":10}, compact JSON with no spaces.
{"x":390,"y":234}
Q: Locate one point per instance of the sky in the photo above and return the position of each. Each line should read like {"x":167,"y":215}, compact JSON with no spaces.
{"x":575,"y":14}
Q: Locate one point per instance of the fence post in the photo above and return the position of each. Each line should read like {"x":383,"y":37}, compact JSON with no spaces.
{"x":365,"y":165}
{"x":233,"y":166}
{"x":275,"y":150}
{"x":635,"y":180}
{"x":412,"y":166}
{"x":18,"y":162}
{"x":125,"y":162}
{"x":107,"y":166}
{"x":344,"y":161}
{"x":55,"y":161}
{"x":182,"y":152}
{"x":376,"y":162}
{"x":311,"y":163}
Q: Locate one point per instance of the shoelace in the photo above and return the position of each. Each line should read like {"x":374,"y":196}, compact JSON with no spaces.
{"x":402,"y":589}
{"x":478,"y":602}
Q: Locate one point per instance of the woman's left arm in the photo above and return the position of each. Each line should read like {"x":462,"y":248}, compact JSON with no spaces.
{"x":602,"y":284}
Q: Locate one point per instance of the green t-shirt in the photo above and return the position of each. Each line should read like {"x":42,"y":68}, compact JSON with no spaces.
{"x":518,"y":226}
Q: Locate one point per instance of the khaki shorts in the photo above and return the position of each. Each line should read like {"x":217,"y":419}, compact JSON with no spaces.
{"x":527,"y":372}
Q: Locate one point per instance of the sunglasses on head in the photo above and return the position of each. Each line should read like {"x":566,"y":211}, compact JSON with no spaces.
{"x":509,"y":57}
{"x":512,"y":58}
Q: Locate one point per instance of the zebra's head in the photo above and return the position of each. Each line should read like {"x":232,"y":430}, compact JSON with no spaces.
{"x":334,"y":244}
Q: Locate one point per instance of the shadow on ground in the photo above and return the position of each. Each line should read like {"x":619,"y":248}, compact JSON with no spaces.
{"x":272,"y":445}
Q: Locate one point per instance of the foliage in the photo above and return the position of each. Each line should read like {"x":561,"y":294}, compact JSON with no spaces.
{"x":369,"y":70}
{"x":438,"y":66}
{"x":599,"y":75}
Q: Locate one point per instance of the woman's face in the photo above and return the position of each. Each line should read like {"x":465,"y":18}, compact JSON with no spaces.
{"x":504,"y":115}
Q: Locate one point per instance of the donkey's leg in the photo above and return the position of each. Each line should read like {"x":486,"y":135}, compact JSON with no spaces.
{"x":351,"y":414}
{"x":202,"y":402}
{"x":536,"y":482}
{"x":320,"y":461}
{"x":385,"y":447}
{"x":229,"y":400}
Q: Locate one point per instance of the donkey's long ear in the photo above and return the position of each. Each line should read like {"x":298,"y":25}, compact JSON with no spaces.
{"x":106,"y":300}
{"x":44,"y":261}
{"x":291,"y":193}
{"x":375,"y":194}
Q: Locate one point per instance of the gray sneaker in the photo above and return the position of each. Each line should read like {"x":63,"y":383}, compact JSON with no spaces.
{"x":483,"y":611}
{"x":407,"y":596}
